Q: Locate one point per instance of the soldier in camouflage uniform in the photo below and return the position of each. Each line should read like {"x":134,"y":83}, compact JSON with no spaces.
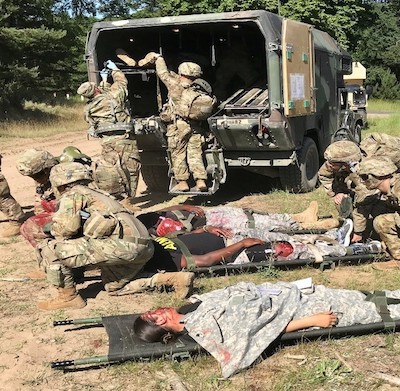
{"x":339,"y":177}
{"x":107,"y":112}
{"x":382,"y":144}
{"x":183,"y":135}
{"x":90,"y":228}
{"x":380,"y":173}
{"x":262,"y":312}
{"x":10,"y":208}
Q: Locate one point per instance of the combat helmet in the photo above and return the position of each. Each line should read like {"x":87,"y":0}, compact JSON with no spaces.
{"x":87,"y":89}
{"x":377,"y":166}
{"x":201,"y":84}
{"x":34,"y":161}
{"x":63,"y":174}
{"x":73,"y":154}
{"x":190,"y":69}
{"x":343,"y":151}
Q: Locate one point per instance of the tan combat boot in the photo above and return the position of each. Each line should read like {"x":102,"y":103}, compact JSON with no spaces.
{"x":182,"y":282}
{"x":125,"y":57}
{"x":9,"y":229}
{"x":136,"y":286}
{"x":389,"y":265}
{"x":309,"y":215}
{"x":201,"y":185}
{"x":67,"y":298}
{"x":148,"y":59}
{"x":181,"y":186}
{"x":321,"y":224}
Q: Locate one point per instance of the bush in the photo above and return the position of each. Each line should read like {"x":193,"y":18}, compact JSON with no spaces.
{"x":384,"y":82}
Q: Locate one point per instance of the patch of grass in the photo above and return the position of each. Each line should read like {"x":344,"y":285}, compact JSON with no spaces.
{"x":380,"y":105}
{"x":389,"y":125}
{"x":40,"y":120}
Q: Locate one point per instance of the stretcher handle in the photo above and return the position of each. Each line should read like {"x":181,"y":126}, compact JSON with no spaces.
{"x":78,"y":321}
{"x":80,"y":361}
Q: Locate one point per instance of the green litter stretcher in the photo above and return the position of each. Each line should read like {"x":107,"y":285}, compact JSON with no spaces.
{"x":327,"y":262}
{"x":125,"y":346}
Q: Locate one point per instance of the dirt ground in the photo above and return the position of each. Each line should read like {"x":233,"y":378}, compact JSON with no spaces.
{"x":28,"y":342}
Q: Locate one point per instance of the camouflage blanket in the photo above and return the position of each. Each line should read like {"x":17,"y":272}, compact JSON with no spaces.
{"x":237,"y":219}
{"x":248,"y":308}
{"x":236,"y":324}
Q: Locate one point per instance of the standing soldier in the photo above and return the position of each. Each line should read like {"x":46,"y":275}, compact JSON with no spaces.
{"x":381,"y":173}
{"x":183,"y":135}
{"x":107,"y":112}
{"x":11,"y":208}
{"x":90,"y":228}
{"x":340,"y":179}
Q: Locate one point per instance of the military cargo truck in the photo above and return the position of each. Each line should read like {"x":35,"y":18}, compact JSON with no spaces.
{"x":277,"y":80}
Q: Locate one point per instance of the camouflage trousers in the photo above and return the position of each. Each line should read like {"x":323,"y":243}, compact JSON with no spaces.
{"x":8,"y":205}
{"x":237,"y":219}
{"x":125,"y":149}
{"x":120,"y":258}
{"x":388,"y":228}
{"x":186,"y":152}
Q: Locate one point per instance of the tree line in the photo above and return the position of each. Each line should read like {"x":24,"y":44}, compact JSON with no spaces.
{"x":42,"y":42}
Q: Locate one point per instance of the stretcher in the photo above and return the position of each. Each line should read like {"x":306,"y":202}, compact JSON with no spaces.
{"x":327,"y":262}
{"x":125,"y":346}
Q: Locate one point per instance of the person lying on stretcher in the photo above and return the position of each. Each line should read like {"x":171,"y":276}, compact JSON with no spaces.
{"x":237,"y":323}
{"x":208,"y":246}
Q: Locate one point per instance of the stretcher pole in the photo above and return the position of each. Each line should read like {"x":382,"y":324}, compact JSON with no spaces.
{"x":281,"y":264}
{"x":80,"y":361}
{"x":65,"y":322}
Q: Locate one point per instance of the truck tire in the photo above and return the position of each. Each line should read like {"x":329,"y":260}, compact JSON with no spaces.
{"x":156,"y":177}
{"x":302,"y":178}
{"x":357,"y":133}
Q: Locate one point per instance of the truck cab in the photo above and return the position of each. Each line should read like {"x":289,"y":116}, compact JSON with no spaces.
{"x":277,"y":80}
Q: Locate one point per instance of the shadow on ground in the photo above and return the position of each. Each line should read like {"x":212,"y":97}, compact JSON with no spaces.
{"x":240,"y":183}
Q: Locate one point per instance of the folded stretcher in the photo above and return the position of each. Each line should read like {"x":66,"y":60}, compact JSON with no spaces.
{"x":125,"y":346}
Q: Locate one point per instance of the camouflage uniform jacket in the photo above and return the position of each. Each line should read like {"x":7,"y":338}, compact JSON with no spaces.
{"x":175,"y":85}
{"x":230,"y":323}
{"x":236,"y":324}
{"x":68,"y":220}
{"x":111,"y":106}
{"x":351,"y":184}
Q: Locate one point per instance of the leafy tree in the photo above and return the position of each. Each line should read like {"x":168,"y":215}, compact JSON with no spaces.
{"x":39,"y":50}
{"x":379,"y":49}
{"x":338,"y":18}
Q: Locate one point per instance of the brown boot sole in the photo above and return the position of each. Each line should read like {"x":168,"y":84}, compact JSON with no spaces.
{"x":124,"y":56}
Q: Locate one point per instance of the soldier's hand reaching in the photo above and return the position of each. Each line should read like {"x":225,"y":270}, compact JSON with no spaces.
{"x":111,"y":65}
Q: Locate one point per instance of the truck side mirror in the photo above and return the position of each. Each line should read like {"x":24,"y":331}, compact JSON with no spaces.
{"x":369,"y":89}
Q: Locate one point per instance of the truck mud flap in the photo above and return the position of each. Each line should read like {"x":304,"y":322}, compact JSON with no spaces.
{"x":125,"y":346}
